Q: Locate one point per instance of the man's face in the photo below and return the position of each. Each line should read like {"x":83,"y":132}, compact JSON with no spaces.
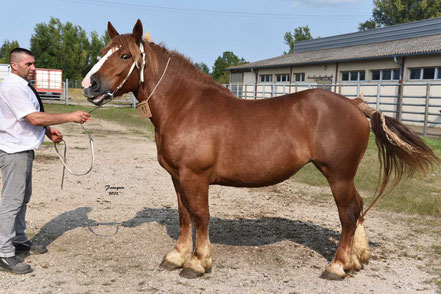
{"x":25,"y":67}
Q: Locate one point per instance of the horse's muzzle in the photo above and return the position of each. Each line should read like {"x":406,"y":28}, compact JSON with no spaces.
{"x":98,"y":100}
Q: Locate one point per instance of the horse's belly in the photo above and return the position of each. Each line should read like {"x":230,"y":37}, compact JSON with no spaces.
{"x":256,"y":175}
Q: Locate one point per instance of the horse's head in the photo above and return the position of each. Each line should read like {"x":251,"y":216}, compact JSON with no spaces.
{"x":120,"y":69}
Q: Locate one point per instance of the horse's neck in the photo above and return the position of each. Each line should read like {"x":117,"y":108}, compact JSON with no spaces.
{"x":163,"y":87}
{"x":175,"y":91}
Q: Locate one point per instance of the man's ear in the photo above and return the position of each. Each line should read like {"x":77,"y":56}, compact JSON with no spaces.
{"x":14,"y":66}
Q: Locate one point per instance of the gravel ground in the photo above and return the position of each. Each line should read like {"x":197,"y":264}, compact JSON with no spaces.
{"x":108,"y":231}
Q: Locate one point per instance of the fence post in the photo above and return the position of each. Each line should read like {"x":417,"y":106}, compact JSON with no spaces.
{"x":66,"y":92}
{"x":400,"y":102}
{"x":133,"y":101}
{"x":426,"y":109}
{"x":358,"y":91}
{"x":378,"y":96}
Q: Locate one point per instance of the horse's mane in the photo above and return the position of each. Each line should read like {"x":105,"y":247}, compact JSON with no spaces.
{"x":183,"y":62}
{"x":152,"y":52}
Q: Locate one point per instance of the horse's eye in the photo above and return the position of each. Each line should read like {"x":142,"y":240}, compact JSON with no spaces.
{"x":125,"y":56}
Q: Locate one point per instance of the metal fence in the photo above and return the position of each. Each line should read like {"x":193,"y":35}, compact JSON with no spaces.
{"x":417,"y":104}
{"x":73,"y":96}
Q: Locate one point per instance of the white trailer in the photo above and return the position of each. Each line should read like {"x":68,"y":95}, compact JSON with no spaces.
{"x":5,"y":69}
{"x":49,"y":82}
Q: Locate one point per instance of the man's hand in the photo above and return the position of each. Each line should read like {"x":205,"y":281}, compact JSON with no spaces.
{"x":79,"y":116}
{"x":54,"y":135}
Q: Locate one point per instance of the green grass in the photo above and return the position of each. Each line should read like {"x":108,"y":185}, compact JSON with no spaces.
{"x":420,"y":195}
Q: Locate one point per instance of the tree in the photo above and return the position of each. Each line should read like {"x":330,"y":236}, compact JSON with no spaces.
{"x":203,"y":67}
{"x":6,"y":49}
{"x":65,"y":46}
{"x":391,"y":12}
{"x":300,"y":34}
{"x":96,"y":45}
{"x":227,"y":59}
{"x":367,"y":25}
{"x":75,"y":52}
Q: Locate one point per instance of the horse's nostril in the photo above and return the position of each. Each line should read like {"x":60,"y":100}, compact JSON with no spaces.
{"x":94,"y":85}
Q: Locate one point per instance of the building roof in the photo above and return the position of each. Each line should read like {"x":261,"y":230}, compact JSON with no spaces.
{"x":406,"y":47}
{"x":415,"y":29}
{"x":416,"y":38}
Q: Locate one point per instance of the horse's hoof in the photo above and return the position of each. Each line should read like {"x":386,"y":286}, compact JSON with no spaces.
{"x":169,"y":266}
{"x":333,"y":271}
{"x":189,"y":273}
{"x":332,"y":276}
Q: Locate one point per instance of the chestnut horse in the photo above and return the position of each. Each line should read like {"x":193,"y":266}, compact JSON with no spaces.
{"x":207,"y":136}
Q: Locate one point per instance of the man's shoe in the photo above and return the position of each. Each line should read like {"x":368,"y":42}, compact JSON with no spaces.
{"x":14,"y":265}
{"x":28,"y":247}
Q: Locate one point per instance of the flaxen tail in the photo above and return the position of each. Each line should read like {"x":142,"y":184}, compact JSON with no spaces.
{"x":401,"y":152}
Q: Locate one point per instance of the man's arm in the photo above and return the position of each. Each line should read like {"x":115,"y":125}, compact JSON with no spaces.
{"x":48,"y":119}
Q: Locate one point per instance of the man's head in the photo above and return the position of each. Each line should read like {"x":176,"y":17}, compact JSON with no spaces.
{"x":23,"y":63}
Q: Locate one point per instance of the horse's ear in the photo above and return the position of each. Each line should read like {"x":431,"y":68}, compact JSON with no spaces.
{"x":137,"y":31}
{"x":111,"y":31}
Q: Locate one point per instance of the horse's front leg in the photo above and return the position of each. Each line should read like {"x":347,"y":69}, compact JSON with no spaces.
{"x":181,"y":253}
{"x":195,"y":198}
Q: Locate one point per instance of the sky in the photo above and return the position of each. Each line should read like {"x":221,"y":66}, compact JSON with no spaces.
{"x":201,"y":30}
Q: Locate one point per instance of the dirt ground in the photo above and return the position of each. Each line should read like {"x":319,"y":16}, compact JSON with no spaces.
{"x":108,"y":231}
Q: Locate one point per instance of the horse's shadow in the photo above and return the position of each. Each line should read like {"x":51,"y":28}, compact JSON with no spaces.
{"x":237,"y":232}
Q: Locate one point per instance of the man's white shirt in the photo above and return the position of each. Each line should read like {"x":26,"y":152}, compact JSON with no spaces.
{"x":17,"y":100}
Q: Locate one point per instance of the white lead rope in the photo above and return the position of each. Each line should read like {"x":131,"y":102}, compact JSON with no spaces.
{"x":63,"y":158}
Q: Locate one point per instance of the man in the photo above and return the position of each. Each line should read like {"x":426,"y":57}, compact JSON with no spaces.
{"x":23,"y":125}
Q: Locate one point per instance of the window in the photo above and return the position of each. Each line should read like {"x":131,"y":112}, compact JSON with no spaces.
{"x":236,"y":78}
{"x":425,"y":73}
{"x":353,"y":76}
{"x":299,"y":77}
{"x":266,"y":78}
{"x":429,"y":73}
{"x":397,"y":74}
{"x":376,"y":75}
{"x":282,"y":77}
{"x":385,"y":74}
{"x":345,"y":76}
{"x":415,"y":73}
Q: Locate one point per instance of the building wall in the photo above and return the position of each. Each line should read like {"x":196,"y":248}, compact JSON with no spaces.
{"x":329,"y":69}
{"x":380,"y":94}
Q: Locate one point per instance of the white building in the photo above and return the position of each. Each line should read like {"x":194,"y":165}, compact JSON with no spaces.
{"x":397,"y":68}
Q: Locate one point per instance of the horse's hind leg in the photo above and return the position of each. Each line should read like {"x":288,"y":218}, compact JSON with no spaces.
{"x":181,"y":253}
{"x":352,"y":252}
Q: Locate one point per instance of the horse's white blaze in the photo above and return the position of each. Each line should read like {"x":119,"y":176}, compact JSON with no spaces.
{"x":86,"y":81}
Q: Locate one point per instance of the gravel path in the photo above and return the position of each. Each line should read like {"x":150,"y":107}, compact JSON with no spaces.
{"x":108,"y":231}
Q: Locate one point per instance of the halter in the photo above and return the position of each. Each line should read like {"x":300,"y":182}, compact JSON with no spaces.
{"x":135,"y":63}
